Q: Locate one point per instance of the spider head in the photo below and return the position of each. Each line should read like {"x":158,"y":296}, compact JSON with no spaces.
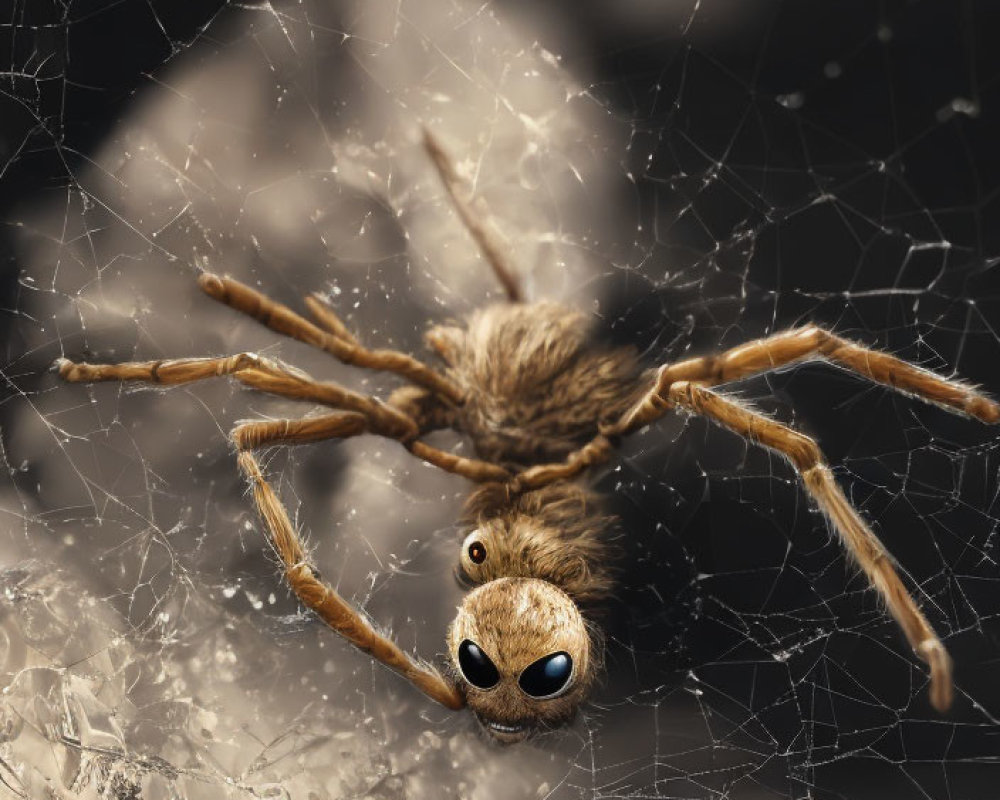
{"x":524,"y":655}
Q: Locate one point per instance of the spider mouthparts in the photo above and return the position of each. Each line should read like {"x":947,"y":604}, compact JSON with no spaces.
{"x":504,"y":733}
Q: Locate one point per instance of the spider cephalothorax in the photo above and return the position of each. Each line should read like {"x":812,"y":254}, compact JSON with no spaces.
{"x":542,"y":401}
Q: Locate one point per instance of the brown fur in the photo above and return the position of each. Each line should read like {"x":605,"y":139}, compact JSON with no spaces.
{"x":516,"y":621}
{"x":559,"y":533}
{"x":535,"y":385}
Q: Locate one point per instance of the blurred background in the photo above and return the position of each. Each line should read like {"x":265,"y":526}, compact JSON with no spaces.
{"x":694,"y":174}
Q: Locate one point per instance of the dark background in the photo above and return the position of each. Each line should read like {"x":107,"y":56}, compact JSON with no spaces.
{"x":741,"y":121}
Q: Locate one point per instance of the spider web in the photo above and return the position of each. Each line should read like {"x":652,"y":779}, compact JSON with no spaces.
{"x":695,"y":174}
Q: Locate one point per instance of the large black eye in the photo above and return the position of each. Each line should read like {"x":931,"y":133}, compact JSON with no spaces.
{"x":548,"y":676}
{"x":476,"y":666}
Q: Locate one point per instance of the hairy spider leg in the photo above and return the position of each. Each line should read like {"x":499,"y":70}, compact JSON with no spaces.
{"x":281,"y":319}
{"x":253,"y":371}
{"x":855,"y":535}
{"x":328,"y":319}
{"x":596,"y":451}
{"x":493,"y":246}
{"x":368,"y":416}
{"x":314,"y":593}
{"x":753,"y":358}
{"x":382,"y":419}
{"x":267,"y":376}
{"x":167,"y":372}
{"x":339,"y":425}
{"x":471,"y":468}
{"x":800,"y":344}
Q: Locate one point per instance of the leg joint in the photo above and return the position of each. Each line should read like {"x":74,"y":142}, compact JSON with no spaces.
{"x":803,"y":451}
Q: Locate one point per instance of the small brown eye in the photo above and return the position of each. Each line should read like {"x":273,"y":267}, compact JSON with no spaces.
{"x":477,"y":552}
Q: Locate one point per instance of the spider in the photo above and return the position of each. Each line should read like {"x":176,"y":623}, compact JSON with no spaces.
{"x":542,"y":402}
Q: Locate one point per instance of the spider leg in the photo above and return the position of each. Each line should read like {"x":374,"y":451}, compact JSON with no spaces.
{"x":328,"y":319}
{"x":420,"y":405}
{"x":596,"y":451}
{"x":855,"y":535}
{"x":800,"y":344}
{"x":302,"y":577}
{"x":491,"y":242}
{"x":168,"y":372}
{"x":256,"y":372}
{"x":380,"y":418}
{"x":471,"y":468}
{"x":281,"y":319}
{"x":339,"y":425}
{"x":429,"y":414}
{"x":366,"y":415}
{"x":383,"y":419}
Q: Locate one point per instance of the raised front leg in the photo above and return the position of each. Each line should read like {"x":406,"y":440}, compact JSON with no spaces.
{"x":476,"y":219}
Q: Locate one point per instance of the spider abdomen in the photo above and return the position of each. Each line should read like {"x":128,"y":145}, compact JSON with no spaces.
{"x":536,"y":384}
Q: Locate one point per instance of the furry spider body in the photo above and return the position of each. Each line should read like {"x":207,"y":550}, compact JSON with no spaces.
{"x":542,"y":401}
{"x":537,"y":386}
